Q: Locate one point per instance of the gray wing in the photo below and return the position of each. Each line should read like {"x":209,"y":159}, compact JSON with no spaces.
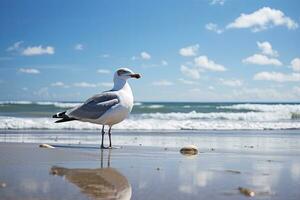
{"x":95,"y":106}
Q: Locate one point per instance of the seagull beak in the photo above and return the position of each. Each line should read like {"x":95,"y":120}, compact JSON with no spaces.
{"x":137,"y":76}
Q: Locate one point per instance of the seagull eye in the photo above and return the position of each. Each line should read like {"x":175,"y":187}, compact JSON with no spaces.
{"x":121,"y":72}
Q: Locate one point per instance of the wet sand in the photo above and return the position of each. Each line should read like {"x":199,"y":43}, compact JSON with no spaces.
{"x":266,"y":163}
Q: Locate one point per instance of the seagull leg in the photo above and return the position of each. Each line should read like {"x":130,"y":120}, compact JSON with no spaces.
{"x":102,"y":133}
{"x":109,"y":135}
{"x":101,"y":158}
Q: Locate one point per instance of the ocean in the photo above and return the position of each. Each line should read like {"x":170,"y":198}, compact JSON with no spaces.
{"x":20,"y":115}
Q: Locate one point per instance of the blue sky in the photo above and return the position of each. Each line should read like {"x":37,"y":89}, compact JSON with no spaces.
{"x":186,"y":50}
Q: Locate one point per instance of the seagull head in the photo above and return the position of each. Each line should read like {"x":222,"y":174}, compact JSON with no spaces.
{"x":125,"y":73}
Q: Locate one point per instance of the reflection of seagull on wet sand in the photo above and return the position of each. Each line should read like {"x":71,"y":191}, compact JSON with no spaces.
{"x":102,"y":183}
{"x":107,"y":108}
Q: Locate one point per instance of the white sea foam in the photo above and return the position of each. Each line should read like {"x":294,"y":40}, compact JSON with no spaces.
{"x":248,"y":116}
{"x":155,"y":106}
{"x":273,"y":111}
{"x":264,"y":107}
{"x":15,"y":102}
{"x":42,"y":103}
{"x":59,"y":104}
{"x":258,"y":116}
{"x":151,"y":123}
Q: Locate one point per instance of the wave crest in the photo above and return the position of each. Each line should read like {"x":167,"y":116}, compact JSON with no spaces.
{"x":248,"y":116}
{"x":264,"y":107}
{"x":41,"y":103}
{"x":156,"y":122}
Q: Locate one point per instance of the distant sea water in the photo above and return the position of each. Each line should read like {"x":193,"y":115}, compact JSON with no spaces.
{"x":18,"y":115}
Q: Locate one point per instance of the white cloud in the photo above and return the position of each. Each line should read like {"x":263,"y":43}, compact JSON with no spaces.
{"x":103,"y":71}
{"x":203,"y":62}
{"x":195,"y":90}
{"x":267,"y":49}
{"x":262,"y":19}
{"x":15,"y":47}
{"x":59,"y":84}
{"x":144,"y":55}
{"x":190,"y":72}
{"x":31,"y":50}
{"x":231,"y":82}
{"x":277,"y":77}
{"x":85,"y":85}
{"x":134,"y":58}
{"x":217,"y":2}
{"x":259,"y":59}
{"x":162,"y":83}
{"x":106,"y":84}
{"x":82,"y":84}
{"x":189,"y":50}
{"x":29,"y":70}
{"x":37,"y":50}
{"x":164,"y":63}
{"x":187,"y":82}
{"x":78,"y":47}
{"x":105,"y":55}
{"x":296,"y":64}
{"x":211,"y":87}
{"x":213,"y":27}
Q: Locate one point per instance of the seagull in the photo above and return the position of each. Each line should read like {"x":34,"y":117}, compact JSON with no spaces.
{"x":108,"y":108}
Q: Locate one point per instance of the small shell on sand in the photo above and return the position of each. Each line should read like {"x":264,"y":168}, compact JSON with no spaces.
{"x":246,"y":192}
{"x":189,"y":150}
{"x":46,"y":146}
{"x":2,"y":184}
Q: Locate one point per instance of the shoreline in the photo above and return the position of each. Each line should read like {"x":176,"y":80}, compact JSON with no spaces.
{"x":222,"y":139}
{"x":158,"y":131}
{"x":150,"y":166}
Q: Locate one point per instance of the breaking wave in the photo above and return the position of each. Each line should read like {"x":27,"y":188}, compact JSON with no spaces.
{"x":161,"y":116}
{"x":42,"y":103}
{"x":155,"y":106}
{"x":264,"y":107}
{"x":170,"y":121}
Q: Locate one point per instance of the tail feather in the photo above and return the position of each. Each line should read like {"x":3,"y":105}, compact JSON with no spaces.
{"x":60,"y":115}
{"x":63,"y":117}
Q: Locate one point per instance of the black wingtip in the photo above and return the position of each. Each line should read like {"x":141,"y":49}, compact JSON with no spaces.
{"x":64,"y":120}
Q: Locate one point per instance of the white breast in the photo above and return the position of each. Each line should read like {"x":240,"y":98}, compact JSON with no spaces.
{"x":121,"y":110}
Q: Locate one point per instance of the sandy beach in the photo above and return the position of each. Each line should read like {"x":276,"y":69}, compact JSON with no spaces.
{"x":150,"y":100}
{"x":267,"y":163}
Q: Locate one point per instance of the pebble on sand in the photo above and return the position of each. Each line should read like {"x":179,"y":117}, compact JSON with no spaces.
{"x":246,"y":192}
{"x":47,"y":146}
{"x":189,"y":150}
{"x":233,"y":171}
{"x":2,"y":184}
